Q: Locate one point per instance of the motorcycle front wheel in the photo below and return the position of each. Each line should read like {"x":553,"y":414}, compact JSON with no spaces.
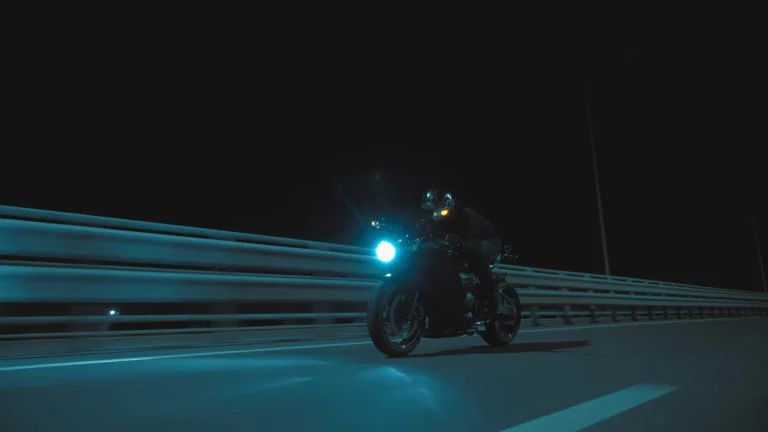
{"x":395,"y":319}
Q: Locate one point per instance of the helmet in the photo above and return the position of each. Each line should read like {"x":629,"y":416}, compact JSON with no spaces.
{"x":437,"y":201}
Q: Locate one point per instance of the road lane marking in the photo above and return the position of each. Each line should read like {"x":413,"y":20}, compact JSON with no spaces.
{"x":176,"y":356}
{"x":584,"y":415}
{"x":330,"y":345}
{"x":285,"y":382}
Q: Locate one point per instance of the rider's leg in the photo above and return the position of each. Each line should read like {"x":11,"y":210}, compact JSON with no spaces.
{"x":492,"y":248}
{"x":475,"y":253}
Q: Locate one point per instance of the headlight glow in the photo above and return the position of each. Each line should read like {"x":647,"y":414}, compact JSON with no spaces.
{"x":385,"y":252}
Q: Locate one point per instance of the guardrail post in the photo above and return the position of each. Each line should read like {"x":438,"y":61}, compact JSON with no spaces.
{"x":535,"y":316}
{"x":567,"y":314}
{"x":593,"y":312}
{"x":566,"y":311}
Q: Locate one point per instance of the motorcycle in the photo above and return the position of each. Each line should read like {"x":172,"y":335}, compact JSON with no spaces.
{"x":429,"y":292}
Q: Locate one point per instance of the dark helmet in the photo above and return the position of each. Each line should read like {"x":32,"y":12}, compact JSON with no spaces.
{"x":437,"y":201}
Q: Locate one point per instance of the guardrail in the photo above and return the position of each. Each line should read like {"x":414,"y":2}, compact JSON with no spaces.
{"x":10,"y":212}
{"x":208,"y":280}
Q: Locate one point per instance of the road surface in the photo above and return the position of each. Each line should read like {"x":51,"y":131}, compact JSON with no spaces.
{"x":699,"y":376}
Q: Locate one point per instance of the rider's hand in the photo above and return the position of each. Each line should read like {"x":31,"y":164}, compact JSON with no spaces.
{"x":453,"y":239}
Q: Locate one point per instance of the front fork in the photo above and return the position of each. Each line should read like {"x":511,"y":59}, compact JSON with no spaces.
{"x":415,"y":314}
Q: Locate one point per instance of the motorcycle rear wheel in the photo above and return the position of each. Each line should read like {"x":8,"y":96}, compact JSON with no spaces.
{"x":503,"y":333}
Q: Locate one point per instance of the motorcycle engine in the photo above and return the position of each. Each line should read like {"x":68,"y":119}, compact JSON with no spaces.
{"x":468,"y":281}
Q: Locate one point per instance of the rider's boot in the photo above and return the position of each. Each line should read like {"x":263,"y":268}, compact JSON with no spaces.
{"x":493,"y":299}
{"x":488,"y":295}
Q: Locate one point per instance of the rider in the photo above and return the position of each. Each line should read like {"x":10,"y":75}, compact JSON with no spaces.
{"x":479,"y":241}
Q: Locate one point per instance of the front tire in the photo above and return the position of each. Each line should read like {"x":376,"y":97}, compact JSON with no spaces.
{"x":499,"y":333}
{"x":395,"y":319}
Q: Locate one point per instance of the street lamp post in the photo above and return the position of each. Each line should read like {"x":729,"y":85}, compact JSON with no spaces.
{"x":597,"y":187}
{"x":759,"y":254}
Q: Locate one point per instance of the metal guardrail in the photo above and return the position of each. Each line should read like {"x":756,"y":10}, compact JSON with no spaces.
{"x":89,"y":263}
{"x":42,"y":240}
{"x":10,"y":212}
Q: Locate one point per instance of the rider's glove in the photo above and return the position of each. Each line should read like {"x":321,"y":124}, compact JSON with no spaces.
{"x":453,"y":239}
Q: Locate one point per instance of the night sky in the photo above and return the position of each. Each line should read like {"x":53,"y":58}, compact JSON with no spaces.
{"x":305,"y":137}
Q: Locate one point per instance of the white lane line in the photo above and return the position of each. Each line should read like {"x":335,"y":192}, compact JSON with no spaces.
{"x":332,"y":345}
{"x":589,"y":413}
{"x":175,"y":356}
{"x":285,"y":383}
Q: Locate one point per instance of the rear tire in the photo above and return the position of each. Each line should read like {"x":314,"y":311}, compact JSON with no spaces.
{"x":380,"y":305}
{"x":503,"y":333}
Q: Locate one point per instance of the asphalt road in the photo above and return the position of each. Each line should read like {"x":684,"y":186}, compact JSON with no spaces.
{"x":701,"y":375}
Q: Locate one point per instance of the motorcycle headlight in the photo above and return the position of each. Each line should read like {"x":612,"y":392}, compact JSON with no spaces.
{"x":385,"y":251}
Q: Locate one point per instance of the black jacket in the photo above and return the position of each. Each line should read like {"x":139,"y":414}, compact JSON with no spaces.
{"x":468,"y":223}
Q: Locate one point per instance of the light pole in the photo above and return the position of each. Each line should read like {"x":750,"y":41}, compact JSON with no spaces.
{"x":597,"y":183}
{"x":759,"y":254}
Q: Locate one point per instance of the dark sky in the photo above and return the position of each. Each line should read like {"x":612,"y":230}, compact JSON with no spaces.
{"x":263,"y":138}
